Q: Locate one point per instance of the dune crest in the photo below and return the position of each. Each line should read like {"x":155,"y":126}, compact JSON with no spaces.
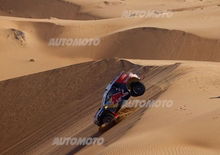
{"x":51,"y":85}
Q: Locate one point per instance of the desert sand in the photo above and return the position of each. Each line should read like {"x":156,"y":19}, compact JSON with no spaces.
{"x":54,"y":91}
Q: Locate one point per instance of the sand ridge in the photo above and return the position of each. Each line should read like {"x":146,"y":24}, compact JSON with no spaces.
{"x":48,"y":92}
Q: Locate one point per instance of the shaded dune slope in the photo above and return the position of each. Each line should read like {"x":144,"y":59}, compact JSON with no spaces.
{"x":137,"y":43}
{"x":42,"y":9}
{"x":30,"y":102}
{"x":154,"y":43}
{"x":37,"y":107}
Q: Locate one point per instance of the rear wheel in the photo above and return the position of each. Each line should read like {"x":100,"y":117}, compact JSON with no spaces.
{"x":108,"y":121}
{"x":108,"y":118}
{"x":137,"y":89}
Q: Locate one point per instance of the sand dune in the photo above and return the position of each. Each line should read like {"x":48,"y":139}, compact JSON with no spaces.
{"x":43,"y":9}
{"x":40,"y":118}
{"x":153,"y":43}
{"x":139,"y":43}
{"x":28,"y":100}
{"x":190,"y":126}
{"x":33,"y":118}
{"x":114,"y":8}
{"x":195,"y":33}
{"x":54,"y":91}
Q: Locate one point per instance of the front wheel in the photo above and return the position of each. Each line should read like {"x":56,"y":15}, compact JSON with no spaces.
{"x":137,"y":89}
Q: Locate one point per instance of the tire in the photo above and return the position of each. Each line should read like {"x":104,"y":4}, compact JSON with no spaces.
{"x":137,"y":89}
{"x":108,"y":118}
{"x":108,"y":121}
